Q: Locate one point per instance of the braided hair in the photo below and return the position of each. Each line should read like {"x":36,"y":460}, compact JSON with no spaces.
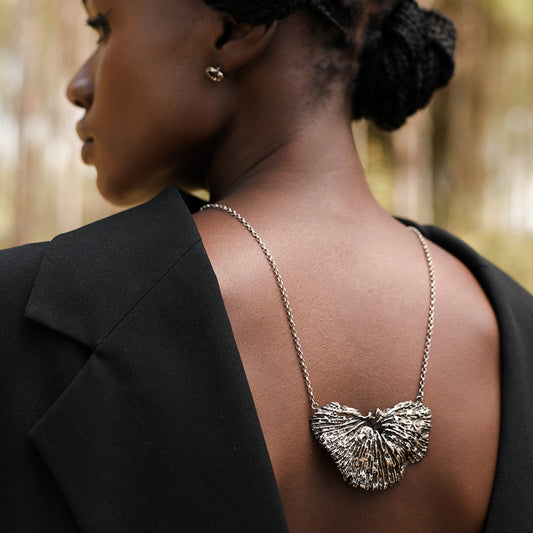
{"x":404,"y":55}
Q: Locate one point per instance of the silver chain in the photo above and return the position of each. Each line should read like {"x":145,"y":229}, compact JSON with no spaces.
{"x":431,"y":313}
{"x":290,"y":317}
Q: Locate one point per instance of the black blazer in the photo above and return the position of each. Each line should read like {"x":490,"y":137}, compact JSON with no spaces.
{"x":124,"y":406}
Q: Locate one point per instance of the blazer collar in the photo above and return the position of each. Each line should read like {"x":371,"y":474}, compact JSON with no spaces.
{"x":92,"y":277}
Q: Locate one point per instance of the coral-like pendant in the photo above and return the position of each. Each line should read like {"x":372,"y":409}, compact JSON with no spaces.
{"x":373,"y":451}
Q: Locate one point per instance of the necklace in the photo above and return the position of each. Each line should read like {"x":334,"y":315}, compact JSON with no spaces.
{"x":372,"y":451}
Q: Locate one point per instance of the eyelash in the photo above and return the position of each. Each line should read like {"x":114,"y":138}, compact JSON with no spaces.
{"x":100,"y":23}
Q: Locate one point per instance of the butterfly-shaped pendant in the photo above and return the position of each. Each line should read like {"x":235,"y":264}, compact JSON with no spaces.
{"x":372,"y":451}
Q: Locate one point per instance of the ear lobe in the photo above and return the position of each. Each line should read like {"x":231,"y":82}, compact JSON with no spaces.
{"x":242,"y":43}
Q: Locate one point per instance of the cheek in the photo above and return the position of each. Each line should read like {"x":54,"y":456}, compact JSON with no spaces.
{"x":160,"y":93}
{"x":155,"y":120}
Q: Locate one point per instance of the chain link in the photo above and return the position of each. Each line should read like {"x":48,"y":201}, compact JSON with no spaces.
{"x":290,"y":317}
{"x":431,"y":312}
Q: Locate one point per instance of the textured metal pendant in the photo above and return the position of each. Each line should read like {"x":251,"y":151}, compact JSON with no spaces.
{"x":373,"y":451}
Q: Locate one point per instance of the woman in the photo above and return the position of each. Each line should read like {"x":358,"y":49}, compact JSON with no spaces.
{"x":152,"y":379}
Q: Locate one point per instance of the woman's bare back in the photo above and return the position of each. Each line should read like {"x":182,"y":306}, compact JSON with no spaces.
{"x":360,"y":300}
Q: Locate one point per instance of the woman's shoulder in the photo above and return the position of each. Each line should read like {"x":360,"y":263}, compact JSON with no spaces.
{"x":162,"y":223}
{"x":19,"y":266}
{"x":103,"y":266}
{"x":18,"y":269}
{"x":497,"y":284}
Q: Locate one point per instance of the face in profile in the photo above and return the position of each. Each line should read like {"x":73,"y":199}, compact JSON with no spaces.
{"x":148,"y":106}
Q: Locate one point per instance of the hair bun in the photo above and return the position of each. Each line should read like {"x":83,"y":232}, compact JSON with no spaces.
{"x":258,"y":12}
{"x":404,"y":61}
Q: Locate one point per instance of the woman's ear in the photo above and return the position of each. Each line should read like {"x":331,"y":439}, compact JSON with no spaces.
{"x":241,"y":43}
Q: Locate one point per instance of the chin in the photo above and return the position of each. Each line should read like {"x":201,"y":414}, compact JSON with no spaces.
{"x":124,"y":194}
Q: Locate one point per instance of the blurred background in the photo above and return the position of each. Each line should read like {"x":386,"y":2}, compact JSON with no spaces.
{"x":465,"y":163}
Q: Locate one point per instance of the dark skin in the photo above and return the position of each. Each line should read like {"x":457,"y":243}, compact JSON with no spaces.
{"x":357,"y":280}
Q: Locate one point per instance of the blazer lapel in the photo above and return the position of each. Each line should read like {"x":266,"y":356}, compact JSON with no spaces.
{"x":157,"y":432}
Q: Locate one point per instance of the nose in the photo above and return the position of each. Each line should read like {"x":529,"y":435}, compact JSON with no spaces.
{"x":80,"y":90}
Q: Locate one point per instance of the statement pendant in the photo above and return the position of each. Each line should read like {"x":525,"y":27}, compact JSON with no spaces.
{"x":373,"y":451}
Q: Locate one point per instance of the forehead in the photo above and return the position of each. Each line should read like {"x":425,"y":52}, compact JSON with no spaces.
{"x":152,"y":22}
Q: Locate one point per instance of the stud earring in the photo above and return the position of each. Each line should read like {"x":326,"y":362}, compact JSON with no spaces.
{"x":215,"y":74}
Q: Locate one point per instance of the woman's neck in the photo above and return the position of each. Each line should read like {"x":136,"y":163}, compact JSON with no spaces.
{"x":291,"y":166}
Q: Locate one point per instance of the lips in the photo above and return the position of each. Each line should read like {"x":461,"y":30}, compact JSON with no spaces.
{"x":81,"y":130}
{"x":86,"y":151}
{"x":88,"y":141}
